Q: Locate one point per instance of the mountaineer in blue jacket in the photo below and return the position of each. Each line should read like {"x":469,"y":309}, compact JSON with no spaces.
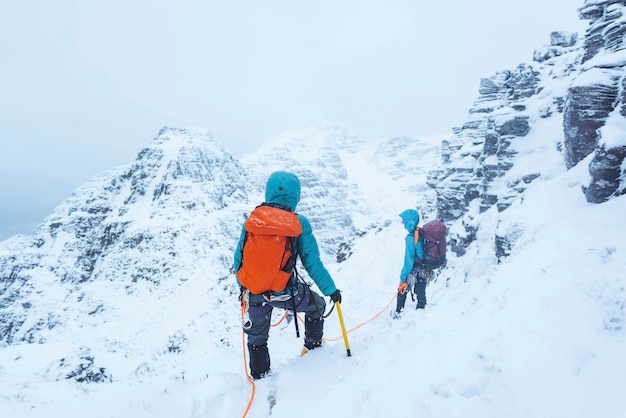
{"x":283,"y":191}
{"x":413,"y":273}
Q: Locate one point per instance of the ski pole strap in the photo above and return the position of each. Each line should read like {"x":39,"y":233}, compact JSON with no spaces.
{"x":329,"y":311}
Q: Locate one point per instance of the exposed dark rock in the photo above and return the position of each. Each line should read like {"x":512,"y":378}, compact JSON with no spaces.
{"x":587,"y":107}
{"x":594,"y":39}
{"x":563,"y":39}
{"x":459,"y":243}
{"x":591,"y":102}
{"x":530,"y":177}
{"x":622,"y":110}
{"x":607,"y":175}
{"x":344,"y":252}
{"x":559,"y":44}
{"x":607,"y":28}
{"x":518,"y":126}
{"x":503,"y":247}
{"x":86,"y":372}
{"x":481,"y":150}
{"x":506,"y":235}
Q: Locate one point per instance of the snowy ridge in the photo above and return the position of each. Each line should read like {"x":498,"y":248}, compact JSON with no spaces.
{"x":122,"y":302}
{"x":130,"y":234}
{"x":541,"y":334}
{"x":128,"y":279}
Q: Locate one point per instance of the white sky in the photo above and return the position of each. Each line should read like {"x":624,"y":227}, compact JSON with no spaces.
{"x":85,"y":84}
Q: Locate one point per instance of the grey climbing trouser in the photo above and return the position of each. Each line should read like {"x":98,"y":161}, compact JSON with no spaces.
{"x":259,"y":315}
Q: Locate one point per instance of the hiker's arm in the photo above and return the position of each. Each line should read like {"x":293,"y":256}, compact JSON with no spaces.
{"x":409,"y":258}
{"x":310,"y":257}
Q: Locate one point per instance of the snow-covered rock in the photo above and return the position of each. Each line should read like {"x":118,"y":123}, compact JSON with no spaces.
{"x":577,"y":83}
{"x":164,"y":228}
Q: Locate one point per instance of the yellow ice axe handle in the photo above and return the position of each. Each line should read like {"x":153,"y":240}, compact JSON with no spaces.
{"x":343,"y":328}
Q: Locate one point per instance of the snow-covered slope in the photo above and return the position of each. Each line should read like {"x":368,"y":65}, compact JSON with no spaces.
{"x":122,"y":302}
{"x":129,"y":278}
{"x":541,"y":334}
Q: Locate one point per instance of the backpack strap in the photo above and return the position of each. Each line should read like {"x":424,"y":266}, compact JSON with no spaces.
{"x":419,"y":235}
{"x":418,"y":262}
{"x":290,"y":263}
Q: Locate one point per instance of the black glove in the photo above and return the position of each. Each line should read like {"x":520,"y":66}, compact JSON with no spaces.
{"x":336,"y":296}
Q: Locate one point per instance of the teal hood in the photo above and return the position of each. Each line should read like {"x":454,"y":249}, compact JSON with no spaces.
{"x":283,"y":188}
{"x":410,"y":219}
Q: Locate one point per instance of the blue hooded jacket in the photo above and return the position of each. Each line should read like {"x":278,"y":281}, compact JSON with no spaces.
{"x":410,"y":219}
{"x":284,"y":188}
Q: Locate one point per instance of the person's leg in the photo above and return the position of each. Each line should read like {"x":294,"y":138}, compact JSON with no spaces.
{"x":400,"y":301}
{"x":420,"y":292}
{"x":314,"y":320}
{"x":258,"y":333}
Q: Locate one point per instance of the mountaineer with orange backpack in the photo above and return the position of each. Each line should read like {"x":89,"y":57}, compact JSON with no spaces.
{"x":424,"y":251}
{"x":271,"y":239}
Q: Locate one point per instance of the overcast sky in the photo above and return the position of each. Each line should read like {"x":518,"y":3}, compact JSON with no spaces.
{"x":84,"y":85}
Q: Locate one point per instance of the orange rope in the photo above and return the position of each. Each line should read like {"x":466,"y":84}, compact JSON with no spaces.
{"x":245,"y":361}
{"x":366,"y":322}
{"x":280,"y":320}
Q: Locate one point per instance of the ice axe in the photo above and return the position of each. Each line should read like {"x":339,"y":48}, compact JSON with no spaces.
{"x":343,"y":328}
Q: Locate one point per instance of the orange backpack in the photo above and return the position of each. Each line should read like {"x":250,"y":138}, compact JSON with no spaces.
{"x":268,"y":254}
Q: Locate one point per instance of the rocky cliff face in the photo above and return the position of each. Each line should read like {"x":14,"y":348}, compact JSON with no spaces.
{"x":594,"y":120}
{"x":481,"y":169}
{"x":575,"y":83}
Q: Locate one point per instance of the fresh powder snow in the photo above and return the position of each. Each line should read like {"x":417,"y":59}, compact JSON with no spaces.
{"x":541,"y":334}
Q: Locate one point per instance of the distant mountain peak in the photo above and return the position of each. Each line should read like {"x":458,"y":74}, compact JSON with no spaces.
{"x":322,"y":134}
{"x":173,"y":132}
{"x":191,"y":152}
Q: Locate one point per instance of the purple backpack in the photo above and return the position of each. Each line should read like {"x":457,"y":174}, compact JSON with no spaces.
{"x":433,"y":234}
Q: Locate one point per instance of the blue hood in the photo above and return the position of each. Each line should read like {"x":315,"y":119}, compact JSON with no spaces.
{"x":410,"y":218}
{"x":283,"y":188}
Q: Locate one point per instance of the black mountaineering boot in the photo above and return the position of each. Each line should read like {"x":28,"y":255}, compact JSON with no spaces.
{"x":313,"y":330}
{"x":259,"y":360}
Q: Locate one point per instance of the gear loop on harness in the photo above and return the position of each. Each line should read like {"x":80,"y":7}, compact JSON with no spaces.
{"x":322,"y":314}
